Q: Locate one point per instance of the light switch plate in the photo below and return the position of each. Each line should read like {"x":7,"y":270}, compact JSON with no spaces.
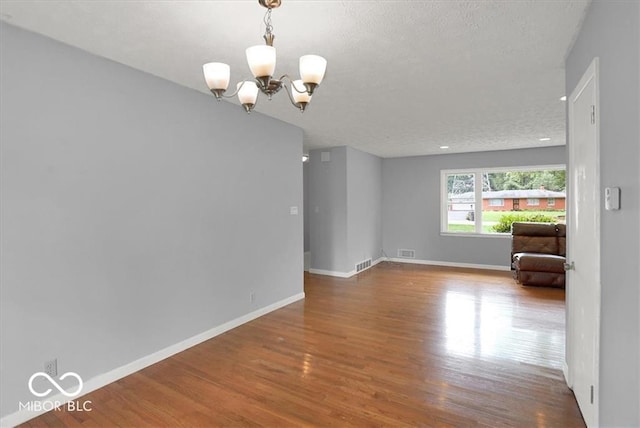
{"x":612,"y":198}
{"x":293,"y":210}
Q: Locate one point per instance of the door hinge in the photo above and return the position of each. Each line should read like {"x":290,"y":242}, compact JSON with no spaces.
{"x":593,"y":115}
{"x":591,"y":394}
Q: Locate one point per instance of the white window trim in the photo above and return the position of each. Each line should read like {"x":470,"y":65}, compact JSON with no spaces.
{"x":477,"y":172}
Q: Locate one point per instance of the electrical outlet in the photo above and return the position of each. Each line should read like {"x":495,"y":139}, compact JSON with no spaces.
{"x":252,"y":296}
{"x":51,"y":367}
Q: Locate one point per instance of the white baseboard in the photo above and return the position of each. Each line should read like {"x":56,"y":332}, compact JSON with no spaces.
{"x":343,"y":274}
{"x":449,"y":264}
{"x":412,"y":261}
{"x":104,"y":379}
{"x":379,"y":260}
{"x":565,"y":372}
{"x":330,"y":273}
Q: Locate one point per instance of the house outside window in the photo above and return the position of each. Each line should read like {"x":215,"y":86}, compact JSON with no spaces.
{"x":485,"y":201}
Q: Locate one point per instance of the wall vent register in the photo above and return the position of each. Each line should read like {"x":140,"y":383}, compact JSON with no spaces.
{"x":406,"y":254}
{"x":365,"y":264}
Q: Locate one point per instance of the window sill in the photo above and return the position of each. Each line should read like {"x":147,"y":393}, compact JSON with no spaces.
{"x":476,"y":235}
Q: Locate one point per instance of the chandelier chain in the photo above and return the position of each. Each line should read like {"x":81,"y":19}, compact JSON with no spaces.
{"x":267,"y":22}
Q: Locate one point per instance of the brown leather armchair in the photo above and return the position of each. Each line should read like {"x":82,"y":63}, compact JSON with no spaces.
{"x":538,"y":253}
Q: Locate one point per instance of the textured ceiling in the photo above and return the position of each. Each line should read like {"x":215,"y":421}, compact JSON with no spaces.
{"x":403,"y":77}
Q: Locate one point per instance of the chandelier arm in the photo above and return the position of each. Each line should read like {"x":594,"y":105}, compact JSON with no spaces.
{"x":237,"y":90}
{"x":299,"y":106}
{"x":286,"y":76}
{"x":289,"y":93}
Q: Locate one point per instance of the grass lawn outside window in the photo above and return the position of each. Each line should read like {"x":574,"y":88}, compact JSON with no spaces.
{"x":491,"y":218}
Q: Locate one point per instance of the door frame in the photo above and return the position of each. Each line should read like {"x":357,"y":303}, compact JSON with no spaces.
{"x":591,"y":73}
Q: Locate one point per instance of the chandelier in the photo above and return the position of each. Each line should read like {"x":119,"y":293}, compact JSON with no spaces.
{"x":262,"y":63}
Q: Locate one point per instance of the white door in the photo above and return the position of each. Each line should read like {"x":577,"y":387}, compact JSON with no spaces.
{"x":583,"y":245}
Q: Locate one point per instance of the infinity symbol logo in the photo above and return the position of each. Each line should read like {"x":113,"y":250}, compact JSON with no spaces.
{"x":55,"y":384}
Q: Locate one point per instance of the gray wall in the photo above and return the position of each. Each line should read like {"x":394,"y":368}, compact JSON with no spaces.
{"x":328,"y":210}
{"x":345,"y":197}
{"x":364,"y":206}
{"x":135,"y":213}
{"x":411,"y":205}
{"x":610,"y":32}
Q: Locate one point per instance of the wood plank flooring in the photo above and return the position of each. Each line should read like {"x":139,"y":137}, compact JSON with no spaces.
{"x":398,"y":345}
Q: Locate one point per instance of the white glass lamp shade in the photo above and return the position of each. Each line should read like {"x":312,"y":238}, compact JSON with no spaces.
{"x":312,"y":68}
{"x":248,"y":93}
{"x":217,"y":75}
{"x":300,"y":97}
{"x":262,"y":60}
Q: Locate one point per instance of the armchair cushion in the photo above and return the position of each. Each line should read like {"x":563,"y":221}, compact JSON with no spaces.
{"x":539,"y":262}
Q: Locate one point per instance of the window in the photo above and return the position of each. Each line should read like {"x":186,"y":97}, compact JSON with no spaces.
{"x":487,"y":200}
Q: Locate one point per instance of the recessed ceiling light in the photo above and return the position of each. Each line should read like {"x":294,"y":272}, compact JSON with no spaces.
{"x":563,"y":98}
{"x":545,"y":139}
{"x":305,"y":158}
{"x":444,"y":147}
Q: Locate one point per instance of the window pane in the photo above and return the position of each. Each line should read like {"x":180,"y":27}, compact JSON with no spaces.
{"x":494,"y":201}
{"x":535,"y":195}
{"x":460,"y":203}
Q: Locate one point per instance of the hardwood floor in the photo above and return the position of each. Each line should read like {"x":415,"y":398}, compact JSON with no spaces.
{"x":398,"y":345}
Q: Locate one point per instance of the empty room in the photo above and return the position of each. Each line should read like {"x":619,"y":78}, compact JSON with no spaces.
{"x":320,"y":213}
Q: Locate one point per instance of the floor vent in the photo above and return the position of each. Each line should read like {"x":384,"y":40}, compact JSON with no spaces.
{"x":365,"y":264}
{"x":406,"y":254}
